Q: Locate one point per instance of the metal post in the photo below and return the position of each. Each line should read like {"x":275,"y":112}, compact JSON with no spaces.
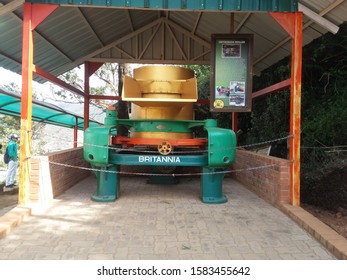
{"x":26,"y":106}
{"x":75,"y":133}
{"x":34,"y":14}
{"x":295,"y":110}
{"x":292,"y":23}
{"x":86,"y":97}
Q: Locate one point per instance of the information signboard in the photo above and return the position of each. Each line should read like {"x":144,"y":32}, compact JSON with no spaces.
{"x":231,"y":79}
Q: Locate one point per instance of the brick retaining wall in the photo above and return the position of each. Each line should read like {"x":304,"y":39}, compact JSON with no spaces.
{"x":272,"y":183}
{"x":48,"y":180}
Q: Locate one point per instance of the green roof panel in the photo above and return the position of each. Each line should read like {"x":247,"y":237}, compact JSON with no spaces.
{"x":10,"y":104}
{"x":206,"y":5}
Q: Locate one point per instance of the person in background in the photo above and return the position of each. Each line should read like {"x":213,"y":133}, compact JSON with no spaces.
{"x":12,"y":164}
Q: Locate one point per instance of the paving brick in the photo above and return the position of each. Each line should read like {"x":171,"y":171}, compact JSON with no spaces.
{"x":161,"y":222}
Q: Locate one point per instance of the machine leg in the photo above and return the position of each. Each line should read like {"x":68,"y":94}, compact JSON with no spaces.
{"x":108,"y":184}
{"x":211,"y":186}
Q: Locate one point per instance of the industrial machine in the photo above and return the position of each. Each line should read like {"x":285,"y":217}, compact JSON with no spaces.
{"x":161,"y":135}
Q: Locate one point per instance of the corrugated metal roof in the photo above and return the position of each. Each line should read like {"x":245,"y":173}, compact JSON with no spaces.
{"x":240,"y":5}
{"x":10,"y":104}
{"x":76,"y":33}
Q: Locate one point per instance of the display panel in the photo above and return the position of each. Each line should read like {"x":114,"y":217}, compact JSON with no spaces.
{"x":231,"y":73}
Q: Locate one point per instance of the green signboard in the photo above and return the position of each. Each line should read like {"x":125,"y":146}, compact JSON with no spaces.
{"x":231,"y":85}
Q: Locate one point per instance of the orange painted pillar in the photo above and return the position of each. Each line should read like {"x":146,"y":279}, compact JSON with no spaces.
{"x":34,"y":14}
{"x":295,"y":110}
{"x":75,"y":134}
{"x":89,"y":69}
{"x":234,"y":115}
{"x":292,"y":23}
{"x":86,"y":96}
{"x":26,"y":106}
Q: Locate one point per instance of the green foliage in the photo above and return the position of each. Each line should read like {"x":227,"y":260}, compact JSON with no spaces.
{"x":324,"y":95}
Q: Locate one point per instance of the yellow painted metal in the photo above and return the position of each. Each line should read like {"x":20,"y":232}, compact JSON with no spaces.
{"x":162,"y":112}
{"x":161,"y":92}
{"x":165,"y":148}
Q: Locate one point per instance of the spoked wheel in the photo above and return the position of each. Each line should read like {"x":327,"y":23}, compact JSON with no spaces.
{"x":165,"y":148}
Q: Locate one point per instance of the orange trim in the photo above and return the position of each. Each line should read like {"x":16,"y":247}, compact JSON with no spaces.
{"x":40,"y":12}
{"x":121,"y":140}
{"x":48,"y":76}
{"x":93,"y":67}
{"x":286,"y":21}
{"x":271,"y":89}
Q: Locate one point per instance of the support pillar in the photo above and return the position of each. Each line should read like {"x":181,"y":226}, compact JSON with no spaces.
{"x":75,"y":134}
{"x":211,"y":186}
{"x":89,"y":69}
{"x":108,"y":184}
{"x":292,"y":23}
{"x":33,"y":15}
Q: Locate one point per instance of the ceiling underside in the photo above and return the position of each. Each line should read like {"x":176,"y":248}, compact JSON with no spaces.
{"x":72,"y":35}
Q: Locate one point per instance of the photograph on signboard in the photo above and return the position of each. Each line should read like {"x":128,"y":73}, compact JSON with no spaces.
{"x":231,"y":51}
{"x":231,"y":75}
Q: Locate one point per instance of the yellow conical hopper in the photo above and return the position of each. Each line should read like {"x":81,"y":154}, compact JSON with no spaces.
{"x":161,"y":92}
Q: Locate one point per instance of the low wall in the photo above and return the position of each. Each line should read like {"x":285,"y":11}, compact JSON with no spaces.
{"x":270,"y":183}
{"x":48,"y":180}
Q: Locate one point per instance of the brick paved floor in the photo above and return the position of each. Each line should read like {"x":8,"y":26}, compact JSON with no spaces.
{"x":160,"y":222}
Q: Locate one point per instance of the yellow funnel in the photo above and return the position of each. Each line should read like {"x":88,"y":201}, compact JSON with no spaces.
{"x":161,"y":92}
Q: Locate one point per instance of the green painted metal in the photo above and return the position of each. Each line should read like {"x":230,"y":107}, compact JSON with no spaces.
{"x":154,"y":125}
{"x":10,"y":104}
{"x":96,"y":141}
{"x":221,"y":146}
{"x":220,"y":154}
{"x":108,"y":184}
{"x":211,"y":186}
{"x":157,"y":160}
{"x":202,"y":5}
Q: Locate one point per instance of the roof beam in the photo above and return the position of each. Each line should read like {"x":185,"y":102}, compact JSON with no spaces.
{"x":10,"y":7}
{"x":244,"y":19}
{"x":197,"y":21}
{"x":127,"y":14}
{"x":105,"y":48}
{"x":176,"y":42}
{"x":43,"y":74}
{"x":328,"y":25}
{"x":42,"y":36}
{"x":305,"y":26}
{"x":85,"y":20}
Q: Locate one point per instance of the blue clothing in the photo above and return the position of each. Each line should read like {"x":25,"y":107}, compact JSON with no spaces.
{"x":13,"y":150}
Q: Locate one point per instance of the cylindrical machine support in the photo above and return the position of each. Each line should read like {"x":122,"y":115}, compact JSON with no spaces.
{"x":108,"y":184}
{"x":211,"y":186}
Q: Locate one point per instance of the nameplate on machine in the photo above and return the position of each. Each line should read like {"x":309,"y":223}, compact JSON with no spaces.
{"x":158,"y":159}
